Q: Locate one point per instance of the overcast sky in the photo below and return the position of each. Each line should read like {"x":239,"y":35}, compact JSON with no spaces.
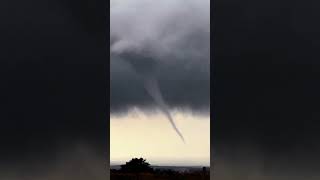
{"x":170,"y":41}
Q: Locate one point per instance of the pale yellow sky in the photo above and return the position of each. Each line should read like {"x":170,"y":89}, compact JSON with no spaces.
{"x":151,"y":136}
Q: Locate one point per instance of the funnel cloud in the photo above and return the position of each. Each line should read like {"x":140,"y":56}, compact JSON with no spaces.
{"x":147,"y":76}
{"x":152,"y":88}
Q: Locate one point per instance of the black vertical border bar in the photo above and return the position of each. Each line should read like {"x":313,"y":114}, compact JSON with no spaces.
{"x":212,"y":88}
{"x":108,"y":89}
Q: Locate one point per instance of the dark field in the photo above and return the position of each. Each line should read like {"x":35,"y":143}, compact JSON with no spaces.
{"x":163,"y":174}
{"x":150,"y":176}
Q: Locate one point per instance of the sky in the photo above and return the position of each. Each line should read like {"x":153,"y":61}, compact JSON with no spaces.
{"x":151,"y":136}
{"x":160,"y":81}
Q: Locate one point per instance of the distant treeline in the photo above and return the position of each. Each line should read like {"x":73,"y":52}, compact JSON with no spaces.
{"x":139,"y":169}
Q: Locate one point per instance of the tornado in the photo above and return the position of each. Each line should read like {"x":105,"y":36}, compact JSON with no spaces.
{"x":152,"y":87}
{"x":145,"y":67}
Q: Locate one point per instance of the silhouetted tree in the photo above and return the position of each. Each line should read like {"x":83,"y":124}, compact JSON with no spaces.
{"x":136,"y":165}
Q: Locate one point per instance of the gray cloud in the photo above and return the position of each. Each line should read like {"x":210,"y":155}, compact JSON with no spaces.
{"x":182,"y":87}
{"x":173,"y":33}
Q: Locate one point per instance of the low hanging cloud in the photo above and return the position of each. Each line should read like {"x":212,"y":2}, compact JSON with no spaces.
{"x":173,"y":36}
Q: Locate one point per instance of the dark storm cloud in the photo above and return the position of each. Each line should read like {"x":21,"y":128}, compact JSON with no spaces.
{"x":175,"y":35}
{"x":187,"y":87}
